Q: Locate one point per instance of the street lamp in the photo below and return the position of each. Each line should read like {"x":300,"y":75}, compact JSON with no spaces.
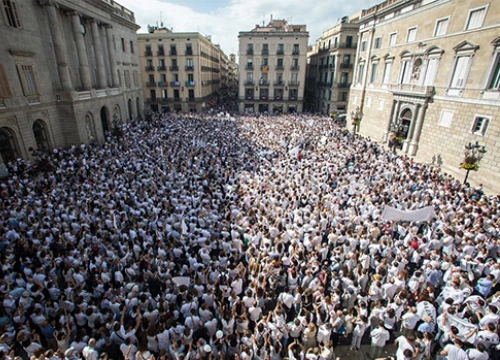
{"x":398,"y":129}
{"x":356,"y":117}
{"x":473,"y":155}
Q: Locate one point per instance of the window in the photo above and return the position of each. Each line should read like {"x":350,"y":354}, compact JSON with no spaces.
{"x":348,"y":42}
{"x":387,"y":73}
{"x":405,"y":72}
{"x":176,"y":77}
{"x":28,"y":81}
{"x":190,"y":77}
{"x":460,"y":72}
{"x":480,"y":125}
{"x":265,"y":49}
{"x":151,"y":78}
{"x":11,"y":13}
{"x":446,"y":118}
{"x":363,"y":45}
{"x":280,"y":63}
{"x":127,"y":78}
{"x":173,"y":50}
{"x":295,"y":77}
{"x":189,"y":49}
{"x":393,"y":38}
{"x":123,"y":44}
{"x":249,"y":49}
{"x":249,"y":76}
{"x":296,"y":50}
{"x":344,"y":77}
{"x":264,"y":62}
{"x":163,"y":78}
{"x":161,"y":50}
{"x":191,"y":94}
{"x":373,"y":73}
{"x":431,"y":71}
{"x":189,"y":62}
{"x":131,"y":46}
{"x":411,"y":35}
{"x":135,"y":74}
{"x":493,"y":79}
{"x":378,"y":42}
{"x":4,"y":84}
{"x":476,"y":18}
{"x":164,"y":94}
{"x":152,"y":94}
{"x":161,"y":63}
{"x":441,"y":27}
{"x":368,"y":101}
{"x":361,"y":69}
{"x":281,"y":49}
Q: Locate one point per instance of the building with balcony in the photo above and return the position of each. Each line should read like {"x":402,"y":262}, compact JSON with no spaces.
{"x":68,"y":69}
{"x":232,"y":72}
{"x":182,"y":71}
{"x":272,"y":68}
{"x":428,"y":71}
{"x":330,"y":66}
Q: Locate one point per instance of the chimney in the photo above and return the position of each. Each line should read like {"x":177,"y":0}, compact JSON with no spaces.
{"x":271,"y":17}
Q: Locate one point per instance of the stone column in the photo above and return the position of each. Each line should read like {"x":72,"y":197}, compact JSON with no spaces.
{"x":82,"y":51}
{"x":406,"y":142}
{"x":112,"y":56}
{"x":60,"y":48}
{"x":418,"y":130}
{"x":101,"y":73}
{"x":385,"y":137}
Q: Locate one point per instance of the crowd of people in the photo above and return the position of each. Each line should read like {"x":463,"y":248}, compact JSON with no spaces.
{"x":246,"y":237}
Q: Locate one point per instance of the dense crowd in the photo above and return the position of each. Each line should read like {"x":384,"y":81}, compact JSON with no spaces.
{"x":243,"y":238}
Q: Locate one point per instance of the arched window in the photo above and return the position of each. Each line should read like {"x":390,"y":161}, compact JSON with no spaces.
{"x":41,"y":136}
{"x":8,"y":146}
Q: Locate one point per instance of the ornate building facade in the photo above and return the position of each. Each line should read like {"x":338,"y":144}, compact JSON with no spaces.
{"x":68,"y":69}
{"x":428,"y":71}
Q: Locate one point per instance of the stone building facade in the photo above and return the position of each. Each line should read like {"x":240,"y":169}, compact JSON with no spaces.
{"x":330,"y":67}
{"x":272,"y":68}
{"x":68,"y":68}
{"x":181,"y":71}
{"x":429,"y":72}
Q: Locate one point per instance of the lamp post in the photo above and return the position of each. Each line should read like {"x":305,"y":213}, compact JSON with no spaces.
{"x":398,"y":129}
{"x":356,"y":117}
{"x":473,"y":155}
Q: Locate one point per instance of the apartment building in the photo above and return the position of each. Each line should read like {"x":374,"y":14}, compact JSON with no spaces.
{"x":429,"y":71}
{"x":68,"y":70}
{"x":272,"y":68}
{"x":330,"y":66}
{"x":181,"y":70}
{"x":232,"y":72}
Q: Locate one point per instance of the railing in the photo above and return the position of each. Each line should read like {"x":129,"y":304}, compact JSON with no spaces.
{"x":263,"y":97}
{"x":280,"y":52}
{"x":188,"y":52}
{"x":249,"y":97}
{"x":152,"y":100}
{"x":162,"y":84}
{"x":151,"y":84}
{"x":280,"y":67}
{"x":148,"y":53}
{"x":189,"y":68}
{"x":177,"y":99}
{"x":343,"y":85}
{"x":150,"y":68}
{"x":163,"y":100}
{"x":190,"y":83}
{"x":162,"y":68}
{"x":263,"y":82}
{"x":279,"y":83}
{"x":175,"y":83}
{"x":249,"y":82}
{"x":345,"y":65}
{"x":265,"y":52}
{"x":277,"y":97}
{"x":412,"y":89}
{"x":173,"y":52}
{"x":249,"y":51}
{"x":249,"y":67}
{"x":190,"y":99}
{"x":292,"y":98}
{"x":174,"y":68}
{"x":293,"y":83}
{"x":294,"y":67}
{"x":160,"y":52}
{"x":296,"y":52}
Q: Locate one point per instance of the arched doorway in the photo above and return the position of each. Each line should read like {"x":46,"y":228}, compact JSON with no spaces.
{"x":8,"y":145}
{"x":41,"y":135}
{"x":405,"y":121}
{"x":130,"y":110}
{"x":137,"y":106}
{"x":117,"y":116}
{"x":104,"y":120}
{"x":89,"y":125}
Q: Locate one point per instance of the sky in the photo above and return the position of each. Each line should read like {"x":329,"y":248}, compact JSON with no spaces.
{"x":223,"y":19}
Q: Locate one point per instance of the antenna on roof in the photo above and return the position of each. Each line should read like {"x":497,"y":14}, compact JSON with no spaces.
{"x":161,"y":21}
{"x":263,"y":19}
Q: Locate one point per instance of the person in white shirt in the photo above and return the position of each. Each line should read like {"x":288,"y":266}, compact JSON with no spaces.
{"x":89,"y":352}
{"x":455,"y":351}
{"x":379,"y":337}
{"x":409,"y":321}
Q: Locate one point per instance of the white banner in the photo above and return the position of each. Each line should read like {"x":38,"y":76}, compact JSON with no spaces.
{"x":464,"y":327}
{"x":392,"y":214}
{"x":424,"y":309}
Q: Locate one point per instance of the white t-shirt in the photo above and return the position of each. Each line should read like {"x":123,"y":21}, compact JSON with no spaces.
{"x":455,"y":353}
{"x":379,"y":336}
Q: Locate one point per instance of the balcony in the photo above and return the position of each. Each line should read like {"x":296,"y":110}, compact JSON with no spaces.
{"x":174,"y":68}
{"x":160,"y":52}
{"x":280,"y":52}
{"x":263,"y":97}
{"x":190,"y":83}
{"x":152,"y":100}
{"x":150,"y":68}
{"x":263,"y":82}
{"x":162,"y":100}
{"x":249,"y":82}
{"x":278,"y":97}
{"x":249,"y":97}
{"x":296,"y":52}
{"x":177,"y":99}
{"x":162,"y":84}
{"x":188,"y":52}
{"x":151,"y":84}
{"x":292,"y":97}
{"x":190,"y":99}
{"x":161,"y":68}
{"x":189,"y":68}
{"x":249,"y":51}
{"x":343,"y":85}
{"x":345,"y":65}
{"x":173,"y":52}
{"x":279,"y":83}
{"x":280,"y":67}
{"x":347,"y":46}
{"x":265,"y":52}
{"x":412,"y":90}
{"x":148,"y":53}
{"x":293,"y":83}
{"x":249,"y":67}
{"x":175,"y":83}
{"x":294,"y":67}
